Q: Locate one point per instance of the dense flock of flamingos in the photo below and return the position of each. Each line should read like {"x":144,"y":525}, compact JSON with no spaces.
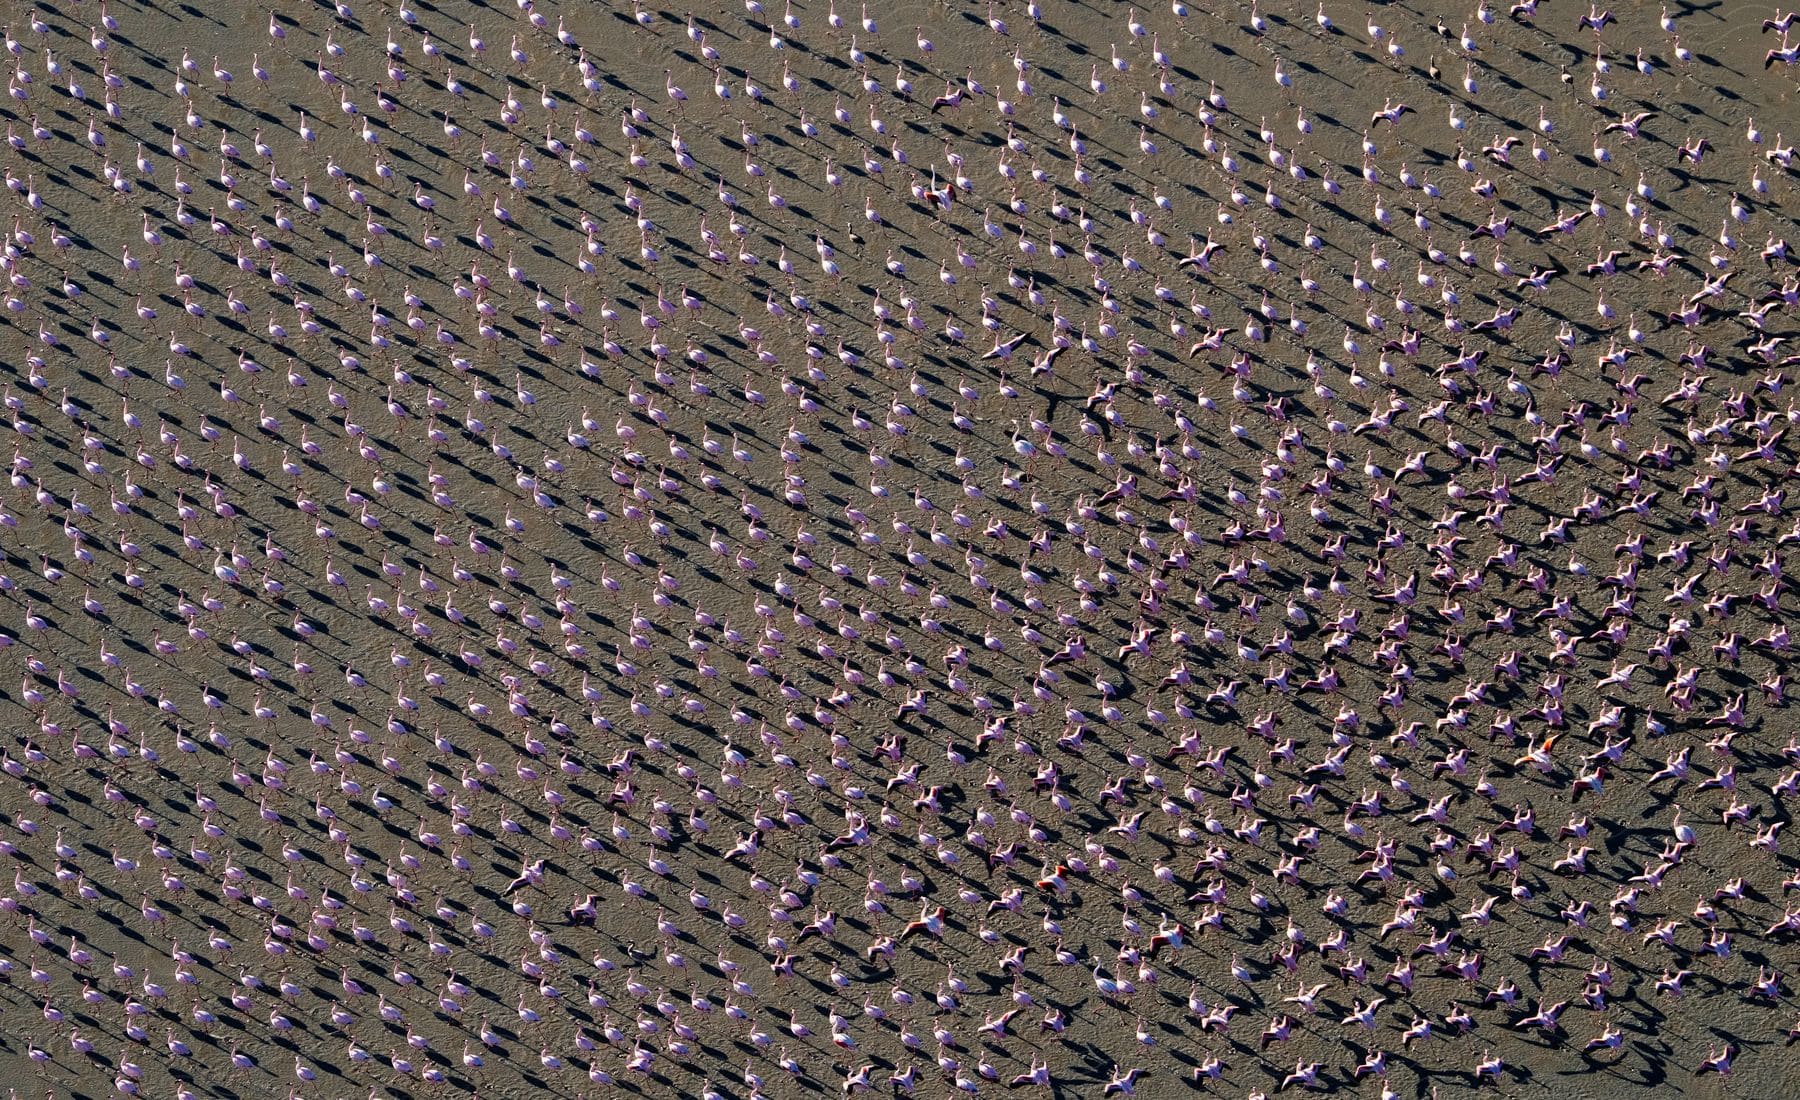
{"x":1229,"y":549}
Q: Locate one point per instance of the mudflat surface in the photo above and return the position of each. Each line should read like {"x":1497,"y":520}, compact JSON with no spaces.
{"x":899,"y":516}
